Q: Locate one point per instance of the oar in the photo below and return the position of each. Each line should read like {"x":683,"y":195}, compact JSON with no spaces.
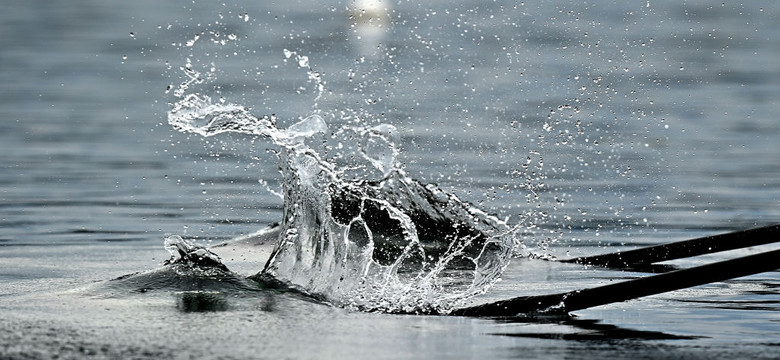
{"x":643,"y":257}
{"x":627,"y":290}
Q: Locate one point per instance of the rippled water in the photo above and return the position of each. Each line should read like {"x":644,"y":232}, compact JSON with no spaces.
{"x":607,"y":126}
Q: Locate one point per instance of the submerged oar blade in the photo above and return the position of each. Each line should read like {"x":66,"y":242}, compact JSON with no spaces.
{"x":641,"y":258}
{"x":631,"y":289}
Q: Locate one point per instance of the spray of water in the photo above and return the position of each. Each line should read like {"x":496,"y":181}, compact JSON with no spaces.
{"x":387,"y":244}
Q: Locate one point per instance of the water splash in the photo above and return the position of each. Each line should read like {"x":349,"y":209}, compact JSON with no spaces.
{"x":314,"y":77}
{"x":187,"y":253}
{"x":392,"y":244}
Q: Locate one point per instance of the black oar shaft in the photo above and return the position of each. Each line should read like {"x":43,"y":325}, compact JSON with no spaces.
{"x":631,"y":289}
{"x":683,"y":249}
{"x":675,"y":280}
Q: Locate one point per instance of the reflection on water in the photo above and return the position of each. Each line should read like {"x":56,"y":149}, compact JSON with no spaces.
{"x":581,"y":330}
{"x":370,"y":21}
{"x":199,"y":301}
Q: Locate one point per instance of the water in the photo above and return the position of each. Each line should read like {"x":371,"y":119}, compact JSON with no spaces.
{"x":385,"y":244}
{"x":600,"y":127}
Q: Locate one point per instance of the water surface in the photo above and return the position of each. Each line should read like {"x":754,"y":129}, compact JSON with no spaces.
{"x":607,"y":126}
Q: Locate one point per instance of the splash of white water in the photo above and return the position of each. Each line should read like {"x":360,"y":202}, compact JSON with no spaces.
{"x":390,"y":245}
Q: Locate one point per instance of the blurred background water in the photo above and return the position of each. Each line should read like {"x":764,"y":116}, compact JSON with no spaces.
{"x":608,"y":125}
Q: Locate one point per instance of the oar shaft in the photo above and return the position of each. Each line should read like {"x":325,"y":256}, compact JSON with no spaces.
{"x":683,"y":249}
{"x":674,"y":280}
{"x":631,"y":289}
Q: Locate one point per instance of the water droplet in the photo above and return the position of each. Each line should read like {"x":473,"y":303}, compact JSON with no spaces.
{"x":303,"y":61}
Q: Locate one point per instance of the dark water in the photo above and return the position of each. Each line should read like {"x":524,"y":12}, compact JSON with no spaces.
{"x":607,"y":125}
